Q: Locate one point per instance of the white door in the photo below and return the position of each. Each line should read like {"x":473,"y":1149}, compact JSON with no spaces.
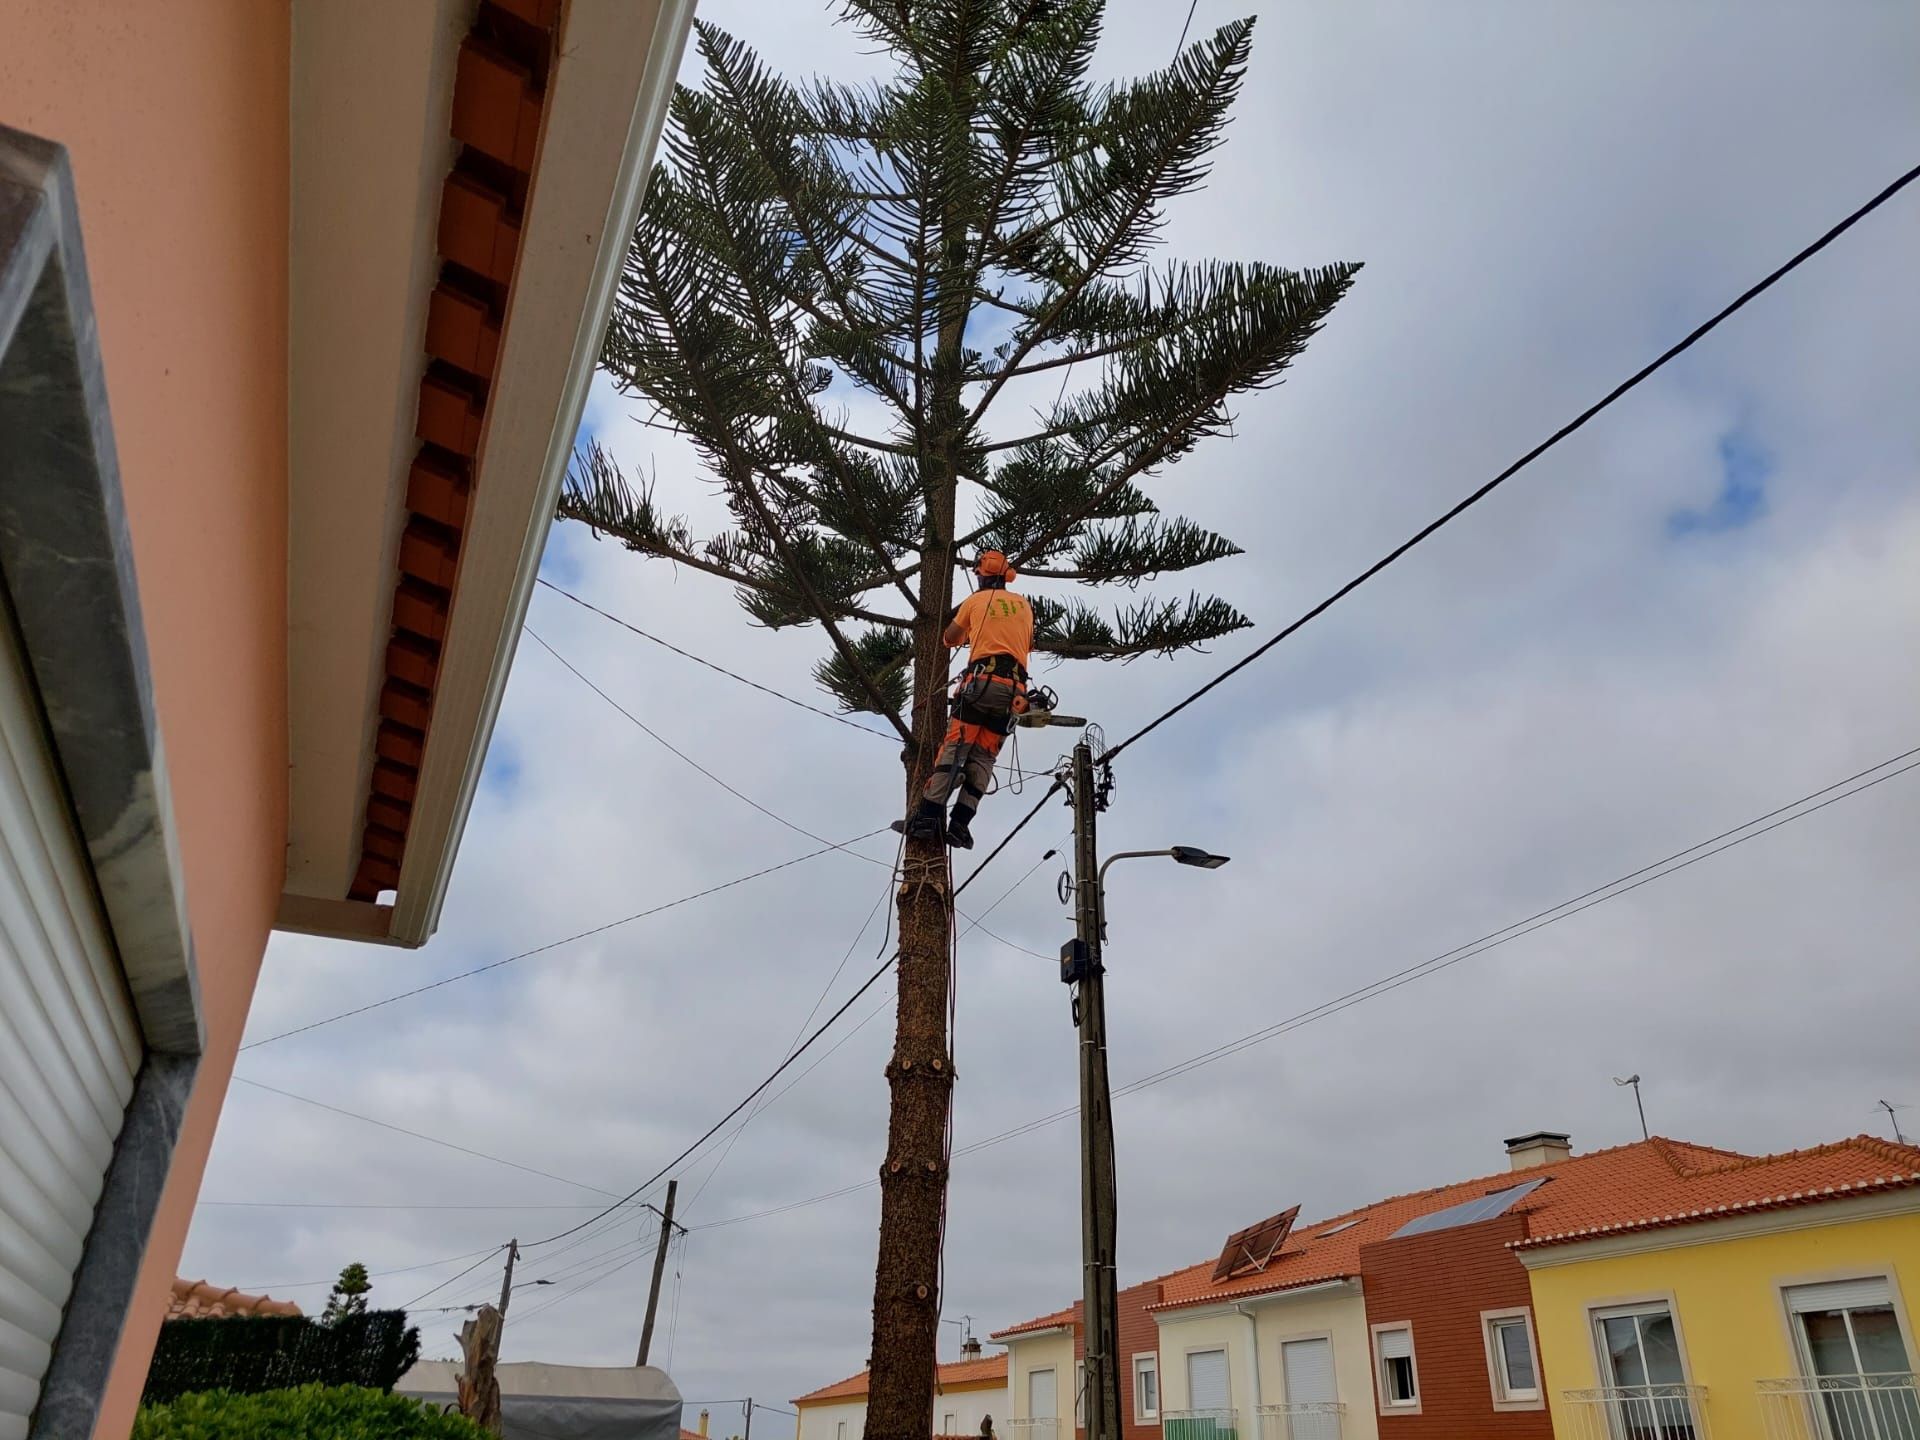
{"x":69,"y":1046}
{"x":1043,"y":1395}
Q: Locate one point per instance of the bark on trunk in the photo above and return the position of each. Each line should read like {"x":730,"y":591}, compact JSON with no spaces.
{"x":913,"y":1177}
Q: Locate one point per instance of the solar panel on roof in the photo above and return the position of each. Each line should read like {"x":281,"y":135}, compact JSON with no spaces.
{"x":1253,"y":1247}
{"x":1470,"y":1212}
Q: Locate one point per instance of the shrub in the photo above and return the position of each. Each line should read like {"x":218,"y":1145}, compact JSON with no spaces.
{"x":310,"y":1412}
{"x":252,"y":1353}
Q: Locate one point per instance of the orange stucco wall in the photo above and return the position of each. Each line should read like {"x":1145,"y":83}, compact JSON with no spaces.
{"x":175,"y":115}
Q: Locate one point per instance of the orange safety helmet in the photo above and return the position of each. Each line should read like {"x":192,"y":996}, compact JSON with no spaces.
{"x":992,"y":565}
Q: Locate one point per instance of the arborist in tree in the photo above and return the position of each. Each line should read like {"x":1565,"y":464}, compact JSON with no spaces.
{"x":997,"y":627}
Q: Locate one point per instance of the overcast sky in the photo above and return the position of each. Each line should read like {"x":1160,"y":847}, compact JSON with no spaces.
{"x":1702,"y":607}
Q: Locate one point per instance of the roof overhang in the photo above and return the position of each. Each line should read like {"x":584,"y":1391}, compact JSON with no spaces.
{"x":1201,"y":1308}
{"x":374,"y":86}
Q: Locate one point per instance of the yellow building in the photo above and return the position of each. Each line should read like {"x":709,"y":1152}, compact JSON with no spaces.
{"x":1736,"y":1297}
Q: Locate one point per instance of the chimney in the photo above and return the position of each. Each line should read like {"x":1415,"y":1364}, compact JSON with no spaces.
{"x":1542,"y":1147}
{"x":970,"y":1349}
{"x":703,"y":1422}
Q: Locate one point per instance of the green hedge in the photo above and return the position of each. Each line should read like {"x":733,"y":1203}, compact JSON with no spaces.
{"x":250,"y":1354}
{"x":311,"y":1412}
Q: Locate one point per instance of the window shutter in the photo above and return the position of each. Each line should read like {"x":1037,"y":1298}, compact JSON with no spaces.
{"x":69,"y":1045}
{"x":1207,"y":1381}
{"x":1840,"y":1295}
{"x":1308,"y":1367}
{"x":1042,"y":1396}
{"x":1395,"y":1344}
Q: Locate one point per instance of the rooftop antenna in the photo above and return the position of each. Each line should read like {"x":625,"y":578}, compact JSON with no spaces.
{"x":1634,"y":1081}
{"x":1893,"y":1117}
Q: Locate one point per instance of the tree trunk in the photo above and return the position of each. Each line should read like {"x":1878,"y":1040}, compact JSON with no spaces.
{"x":913,"y":1178}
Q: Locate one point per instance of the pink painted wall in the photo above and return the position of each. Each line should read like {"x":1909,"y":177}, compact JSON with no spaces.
{"x":175,"y":115}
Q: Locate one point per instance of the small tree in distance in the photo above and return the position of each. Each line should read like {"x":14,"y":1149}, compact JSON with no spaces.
{"x":958,"y":236}
{"x":348,"y":1296}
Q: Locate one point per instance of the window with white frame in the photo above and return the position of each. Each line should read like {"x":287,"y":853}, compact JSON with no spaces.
{"x":840,"y":1430}
{"x":1080,"y":1393}
{"x":1513,"y":1362}
{"x":1146,"y":1388}
{"x":947,"y":1427}
{"x":1393,"y":1362}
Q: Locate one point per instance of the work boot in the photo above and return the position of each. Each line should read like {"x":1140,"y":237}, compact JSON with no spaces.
{"x":925,"y":823}
{"x":959,"y":836}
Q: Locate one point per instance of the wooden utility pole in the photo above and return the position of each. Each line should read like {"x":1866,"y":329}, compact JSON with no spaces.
{"x":506,"y":1281}
{"x":1100,"y":1307}
{"x":747,"y":1433}
{"x":659,"y":1269}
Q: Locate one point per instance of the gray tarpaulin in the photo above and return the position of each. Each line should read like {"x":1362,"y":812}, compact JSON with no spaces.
{"x":565,"y":1402}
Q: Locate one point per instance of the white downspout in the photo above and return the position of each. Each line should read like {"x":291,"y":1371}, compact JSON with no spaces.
{"x":1253,"y":1345}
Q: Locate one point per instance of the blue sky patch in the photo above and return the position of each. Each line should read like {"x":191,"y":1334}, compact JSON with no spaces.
{"x":1745,"y":465}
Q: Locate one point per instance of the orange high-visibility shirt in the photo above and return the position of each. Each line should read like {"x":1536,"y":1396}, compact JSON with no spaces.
{"x":996,"y":622}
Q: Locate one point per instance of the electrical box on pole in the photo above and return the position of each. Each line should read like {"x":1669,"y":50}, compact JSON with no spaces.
{"x":1080,"y":964}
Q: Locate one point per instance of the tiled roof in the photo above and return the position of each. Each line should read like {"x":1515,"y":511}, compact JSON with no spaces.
{"x":1861,"y":1165}
{"x":1650,"y":1183}
{"x":1068,"y":1316}
{"x":197,"y":1300}
{"x":983,"y":1371}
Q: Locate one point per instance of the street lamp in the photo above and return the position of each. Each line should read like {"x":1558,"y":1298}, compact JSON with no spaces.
{"x":1081,"y":965}
{"x":1180,"y":855}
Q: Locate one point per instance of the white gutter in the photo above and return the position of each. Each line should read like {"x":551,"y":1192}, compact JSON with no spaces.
{"x":1253,"y":1346}
{"x":591,"y":40}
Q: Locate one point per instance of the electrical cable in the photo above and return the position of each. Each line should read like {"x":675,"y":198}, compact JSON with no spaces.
{"x":801,"y":1029}
{"x":713,"y":1129}
{"x":1679,"y":860}
{"x":675,"y":750}
{"x":416,"y":1134}
{"x":378,"y":1205}
{"x":373,"y":1274}
{"x":699,"y":660}
{"x":1693,"y":337}
{"x":673,"y":1314}
{"x":828,"y":848}
{"x":1181,"y":43}
{"x":450,"y":1279}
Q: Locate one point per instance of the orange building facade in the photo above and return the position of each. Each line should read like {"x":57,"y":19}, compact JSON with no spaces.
{"x":298,"y":306}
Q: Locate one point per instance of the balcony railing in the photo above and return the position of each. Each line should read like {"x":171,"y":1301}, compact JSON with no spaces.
{"x":1638,"y":1412}
{"x":1037,"y":1427}
{"x":1321,"y":1420}
{"x":1842,"y":1407}
{"x":1200,"y":1425}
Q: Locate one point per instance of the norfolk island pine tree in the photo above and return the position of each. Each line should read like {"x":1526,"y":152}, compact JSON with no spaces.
{"x":799,"y":238}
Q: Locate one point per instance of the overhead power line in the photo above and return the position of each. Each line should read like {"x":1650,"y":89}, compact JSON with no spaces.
{"x":675,"y":750}
{"x":1672,"y":864}
{"x":720,"y":669}
{"x":382,"y":1205}
{"x":373,"y":1274}
{"x":1673,"y":352}
{"x":428,"y":1294}
{"x":651,"y":910}
{"x":417,"y":1135}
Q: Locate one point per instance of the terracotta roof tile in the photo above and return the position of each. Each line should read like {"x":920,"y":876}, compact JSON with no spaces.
{"x":197,"y":1300}
{"x":1068,"y":1316}
{"x":985,"y":1370}
{"x":1649,"y":1183}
